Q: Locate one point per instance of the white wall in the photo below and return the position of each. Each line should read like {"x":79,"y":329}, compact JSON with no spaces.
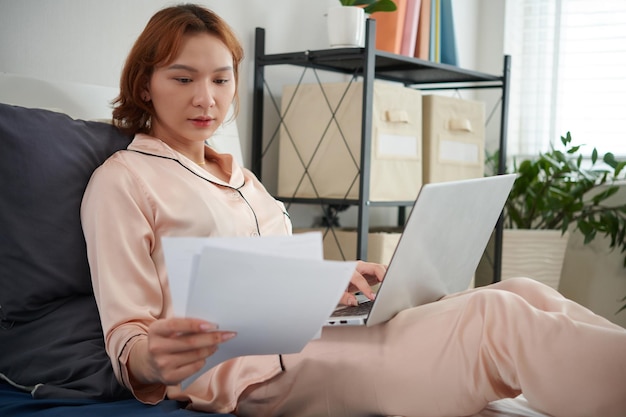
{"x":87,"y":40}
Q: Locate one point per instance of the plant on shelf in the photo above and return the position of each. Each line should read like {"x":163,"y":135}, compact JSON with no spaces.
{"x":371,"y":6}
{"x":557,"y":190}
{"x":346,"y":23}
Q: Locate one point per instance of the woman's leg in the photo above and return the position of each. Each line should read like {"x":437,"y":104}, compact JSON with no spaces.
{"x":548,"y":299}
{"x":452,"y":357}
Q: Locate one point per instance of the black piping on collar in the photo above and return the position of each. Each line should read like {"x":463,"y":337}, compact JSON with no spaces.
{"x":256,"y":220}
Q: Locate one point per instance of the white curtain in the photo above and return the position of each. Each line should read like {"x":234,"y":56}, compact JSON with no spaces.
{"x":568,"y":74}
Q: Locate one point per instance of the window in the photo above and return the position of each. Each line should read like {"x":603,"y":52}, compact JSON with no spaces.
{"x":568,"y":74}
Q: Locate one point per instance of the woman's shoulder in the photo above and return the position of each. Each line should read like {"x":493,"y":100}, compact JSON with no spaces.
{"x":119,"y":161}
{"x":138,"y":151}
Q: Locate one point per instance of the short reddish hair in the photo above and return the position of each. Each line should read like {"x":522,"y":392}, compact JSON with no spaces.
{"x":159,"y":44}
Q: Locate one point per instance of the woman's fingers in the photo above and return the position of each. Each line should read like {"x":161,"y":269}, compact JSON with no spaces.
{"x":365,"y":275}
{"x":359,"y":283}
{"x":348,"y":299}
{"x":177,"y":325}
{"x":174,"y":368}
{"x":183,"y":342}
{"x":373,"y":272}
{"x":178,"y":347}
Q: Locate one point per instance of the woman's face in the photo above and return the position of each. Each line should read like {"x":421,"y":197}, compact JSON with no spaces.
{"x":192,"y":94}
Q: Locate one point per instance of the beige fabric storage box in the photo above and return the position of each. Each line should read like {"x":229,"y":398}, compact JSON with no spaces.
{"x":453,"y":138}
{"x":310,"y":136}
{"x":381,"y":243}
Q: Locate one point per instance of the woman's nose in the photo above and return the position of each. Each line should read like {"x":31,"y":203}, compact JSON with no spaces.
{"x":203,"y":95}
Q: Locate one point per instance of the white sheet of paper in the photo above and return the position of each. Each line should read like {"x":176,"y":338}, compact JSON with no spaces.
{"x":271,"y":291}
{"x":179,"y":255}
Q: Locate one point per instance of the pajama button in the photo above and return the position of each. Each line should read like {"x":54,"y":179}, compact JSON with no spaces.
{"x":254,"y":234}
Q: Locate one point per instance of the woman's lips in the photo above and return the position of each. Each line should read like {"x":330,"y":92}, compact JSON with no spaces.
{"x":202,"y":122}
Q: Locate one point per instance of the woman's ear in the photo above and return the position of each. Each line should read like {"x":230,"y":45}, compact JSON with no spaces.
{"x":145,"y":96}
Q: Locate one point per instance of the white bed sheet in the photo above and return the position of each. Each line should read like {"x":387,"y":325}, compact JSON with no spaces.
{"x":510,"y":407}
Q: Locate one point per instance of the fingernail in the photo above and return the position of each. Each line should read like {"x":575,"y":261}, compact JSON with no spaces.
{"x":228,"y":336}
{"x":208,"y":327}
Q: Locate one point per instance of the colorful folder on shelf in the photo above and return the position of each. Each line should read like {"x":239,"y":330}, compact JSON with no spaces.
{"x":411,"y":24}
{"x":448,"y":51}
{"x":435,"y":31}
{"x":422,"y":45}
{"x":390,"y":27}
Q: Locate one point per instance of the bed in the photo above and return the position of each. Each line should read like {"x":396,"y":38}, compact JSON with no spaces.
{"x":52,"y":136}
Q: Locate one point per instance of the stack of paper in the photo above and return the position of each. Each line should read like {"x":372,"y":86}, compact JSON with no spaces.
{"x":275,"y":292}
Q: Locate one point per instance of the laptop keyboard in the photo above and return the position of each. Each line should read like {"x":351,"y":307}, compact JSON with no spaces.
{"x":359,"y":310}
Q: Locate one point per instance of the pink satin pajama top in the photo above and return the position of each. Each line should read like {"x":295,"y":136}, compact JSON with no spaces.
{"x":140,"y":195}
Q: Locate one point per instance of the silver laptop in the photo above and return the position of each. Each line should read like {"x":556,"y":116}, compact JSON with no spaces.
{"x":442,"y":242}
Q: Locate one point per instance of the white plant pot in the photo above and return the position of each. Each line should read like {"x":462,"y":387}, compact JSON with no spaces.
{"x":536,"y":254}
{"x":346,"y":27}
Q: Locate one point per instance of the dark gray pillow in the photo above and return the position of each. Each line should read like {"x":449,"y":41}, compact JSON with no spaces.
{"x":46,"y":160}
{"x":49,"y":327}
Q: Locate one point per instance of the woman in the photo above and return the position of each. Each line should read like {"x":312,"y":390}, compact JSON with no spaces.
{"x":447,"y":358}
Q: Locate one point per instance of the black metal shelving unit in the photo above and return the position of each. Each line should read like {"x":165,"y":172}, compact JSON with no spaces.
{"x":369,"y":64}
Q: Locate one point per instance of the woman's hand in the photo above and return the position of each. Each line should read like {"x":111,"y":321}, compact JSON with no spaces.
{"x":365,"y":275}
{"x":175,"y":349}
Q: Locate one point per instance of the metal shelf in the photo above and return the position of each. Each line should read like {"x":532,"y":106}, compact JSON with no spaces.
{"x":390,"y":67}
{"x":370,"y":64}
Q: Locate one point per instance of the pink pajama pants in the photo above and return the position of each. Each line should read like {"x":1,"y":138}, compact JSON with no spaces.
{"x":452,"y":357}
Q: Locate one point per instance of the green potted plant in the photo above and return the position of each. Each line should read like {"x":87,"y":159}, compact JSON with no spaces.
{"x":560,"y":190}
{"x":346,"y":23}
{"x":556,"y":190}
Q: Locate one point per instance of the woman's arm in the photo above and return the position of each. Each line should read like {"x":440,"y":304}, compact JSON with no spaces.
{"x":118,"y":224}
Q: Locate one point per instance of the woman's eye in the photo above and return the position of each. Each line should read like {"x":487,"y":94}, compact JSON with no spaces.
{"x":222,"y":81}
{"x":183,"y":80}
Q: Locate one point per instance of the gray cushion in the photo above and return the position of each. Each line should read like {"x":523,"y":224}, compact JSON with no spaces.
{"x":49,"y":326}
{"x":46,"y":160}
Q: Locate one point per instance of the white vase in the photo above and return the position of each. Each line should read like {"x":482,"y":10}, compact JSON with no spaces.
{"x":346,"y":27}
{"x":536,"y":254}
